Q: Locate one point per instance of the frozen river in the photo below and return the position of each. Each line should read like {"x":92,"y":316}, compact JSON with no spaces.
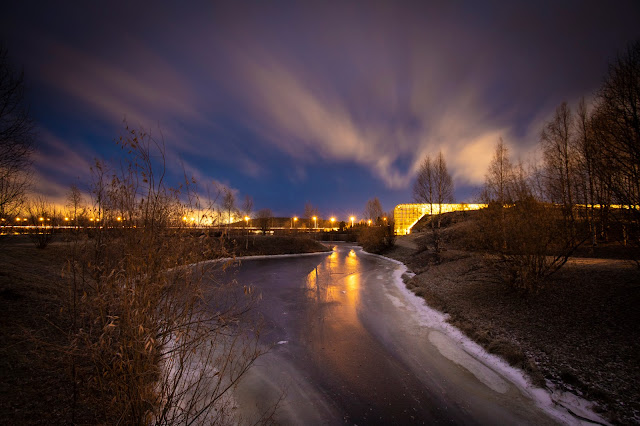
{"x":352,"y":345}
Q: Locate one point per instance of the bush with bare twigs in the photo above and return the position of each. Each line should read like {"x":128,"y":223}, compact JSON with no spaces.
{"x":155,"y":337}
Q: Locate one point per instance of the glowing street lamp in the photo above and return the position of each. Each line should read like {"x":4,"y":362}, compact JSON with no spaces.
{"x":333,"y":219}
{"x":369,"y":222}
{"x":352,"y":219}
{"x":315,"y":221}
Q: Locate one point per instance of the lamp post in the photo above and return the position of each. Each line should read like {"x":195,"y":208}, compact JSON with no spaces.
{"x":369,"y":222}
{"x":352,"y":219}
{"x":315,"y":222}
{"x":333,"y":219}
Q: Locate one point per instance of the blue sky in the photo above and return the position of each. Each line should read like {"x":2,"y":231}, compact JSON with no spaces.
{"x":328,"y":102}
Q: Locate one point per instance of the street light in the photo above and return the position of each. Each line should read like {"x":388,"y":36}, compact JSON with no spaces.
{"x":333,"y":219}
{"x":315,"y":221}
{"x":352,"y":219}
{"x":369,"y":222}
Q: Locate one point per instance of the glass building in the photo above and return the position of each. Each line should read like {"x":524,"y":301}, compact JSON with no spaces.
{"x":407,"y":215}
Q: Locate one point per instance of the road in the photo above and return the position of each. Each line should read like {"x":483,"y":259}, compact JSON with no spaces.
{"x":352,"y":346}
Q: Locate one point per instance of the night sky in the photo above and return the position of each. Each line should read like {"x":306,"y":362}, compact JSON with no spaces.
{"x":331,"y":102}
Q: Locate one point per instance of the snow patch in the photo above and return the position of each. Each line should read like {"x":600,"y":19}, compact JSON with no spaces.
{"x":451,"y":351}
{"x":396,"y":302}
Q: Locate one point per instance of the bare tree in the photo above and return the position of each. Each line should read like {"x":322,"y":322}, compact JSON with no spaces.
{"x":587,"y":153}
{"x":499,"y":177}
{"x":75,"y":204}
{"x":434,"y":186}
{"x":17,"y":133}
{"x":373,"y":210}
{"x":424,"y":186}
{"x":229,"y":204}
{"x":43,"y":217}
{"x":618,"y":111}
{"x":498,"y":188}
{"x":310,"y":211}
{"x":560,"y":158}
{"x":443,"y":183}
{"x":264,"y":218}
{"x":247,"y":205}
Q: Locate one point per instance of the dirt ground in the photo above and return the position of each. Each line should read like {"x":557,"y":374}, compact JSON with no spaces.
{"x":582,"y":332}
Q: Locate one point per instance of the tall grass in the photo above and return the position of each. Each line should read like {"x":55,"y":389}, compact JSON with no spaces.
{"x":156,"y":339}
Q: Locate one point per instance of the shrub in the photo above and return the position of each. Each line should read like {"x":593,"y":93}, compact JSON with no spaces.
{"x":376,"y":239}
{"x":154,"y":338}
{"x":530,"y":239}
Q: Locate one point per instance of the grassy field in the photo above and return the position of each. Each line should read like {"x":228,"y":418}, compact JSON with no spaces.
{"x":581,"y":332}
{"x":35,"y":377}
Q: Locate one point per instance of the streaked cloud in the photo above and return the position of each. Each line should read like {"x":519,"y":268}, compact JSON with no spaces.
{"x":256,"y":94}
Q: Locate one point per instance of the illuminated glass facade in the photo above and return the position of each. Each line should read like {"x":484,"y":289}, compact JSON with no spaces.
{"x":407,"y":215}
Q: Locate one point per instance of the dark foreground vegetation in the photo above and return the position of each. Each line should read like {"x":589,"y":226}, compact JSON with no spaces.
{"x":44,"y":377}
{"x":581,"y":331}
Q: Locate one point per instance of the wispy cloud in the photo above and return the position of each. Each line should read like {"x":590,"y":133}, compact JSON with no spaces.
{"x":254,"y":89}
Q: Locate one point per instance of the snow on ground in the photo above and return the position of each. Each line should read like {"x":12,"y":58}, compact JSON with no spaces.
{"x":453,"y":344}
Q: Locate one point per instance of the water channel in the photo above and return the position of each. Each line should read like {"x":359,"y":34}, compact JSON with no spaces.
{"x":351,"y":345}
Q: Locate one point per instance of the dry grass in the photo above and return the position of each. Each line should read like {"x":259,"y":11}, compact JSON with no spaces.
{"x":36,"y":385}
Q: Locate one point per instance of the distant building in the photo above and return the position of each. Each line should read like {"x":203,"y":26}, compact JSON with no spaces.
{"x":407,"y":215}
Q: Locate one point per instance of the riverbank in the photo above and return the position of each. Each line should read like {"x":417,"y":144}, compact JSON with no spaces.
{"x":35,"y":376}
{"x":268,"y":245}
{"x":581,"y":333}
